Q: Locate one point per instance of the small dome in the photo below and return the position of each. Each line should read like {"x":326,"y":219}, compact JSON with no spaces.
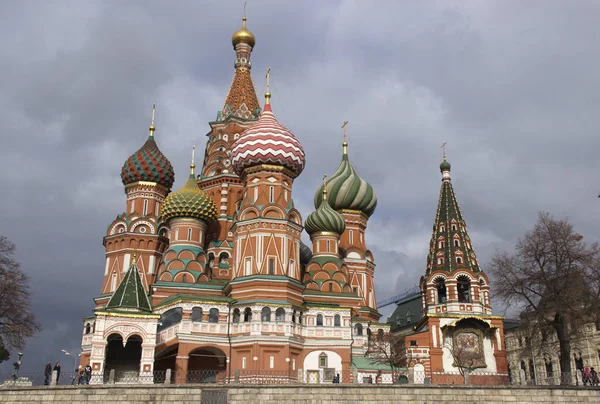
{"x":445,"y":166}
{"x":267,"y":142}
{"x":325,"y":219}
{"x":148,"y":164}
{"x":347,"y":190}
{"x":190,"y":201}
{"x":243,"y":36}
{"x":305,"y":253}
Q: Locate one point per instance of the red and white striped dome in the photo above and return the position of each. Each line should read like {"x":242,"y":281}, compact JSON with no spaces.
{"x":267,"y":142}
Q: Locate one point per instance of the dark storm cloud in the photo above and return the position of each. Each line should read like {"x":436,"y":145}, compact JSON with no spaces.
{"x":512,"y":87}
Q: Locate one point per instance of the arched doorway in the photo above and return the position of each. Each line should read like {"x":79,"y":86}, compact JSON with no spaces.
{"x":124,"y":358}
{"x":206,"y":365}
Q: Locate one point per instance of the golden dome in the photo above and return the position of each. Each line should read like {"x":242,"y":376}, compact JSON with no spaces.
{"x":243,"y":36}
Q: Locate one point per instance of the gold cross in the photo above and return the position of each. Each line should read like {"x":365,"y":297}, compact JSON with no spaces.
{"x":344,"y":128}
{"x":444,"y":149}
{"x":268,"y":77}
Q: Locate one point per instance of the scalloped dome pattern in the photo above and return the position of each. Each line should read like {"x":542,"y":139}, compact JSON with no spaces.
{"x":325,"y":219}
{"x":267,"y":142}
{"x":148,"y":164}
{"x":347,"y":190}
{"x":189,"y":201}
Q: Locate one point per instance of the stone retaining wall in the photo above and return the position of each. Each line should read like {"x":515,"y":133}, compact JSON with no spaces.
{"x":326,"y":394}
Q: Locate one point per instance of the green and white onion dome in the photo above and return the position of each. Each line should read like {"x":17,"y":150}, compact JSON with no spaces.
{"x":347,"y":190}
{"x":325,"y":219}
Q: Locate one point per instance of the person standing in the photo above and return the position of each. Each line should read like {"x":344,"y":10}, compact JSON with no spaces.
{"x":594,"y":377}
{"x":57,"y":368}
{"x":88,"y":373}
{"x":48,"y":374}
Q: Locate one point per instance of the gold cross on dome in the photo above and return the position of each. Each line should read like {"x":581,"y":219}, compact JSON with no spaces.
{"x":444,"y":149}
{"x":344,"y":128}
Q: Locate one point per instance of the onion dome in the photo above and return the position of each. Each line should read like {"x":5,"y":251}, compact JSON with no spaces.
{"x":325,"y":218}
{"x":305,"y":253}
{"x":445,"y":166}
{"x":190,"y":201}
{"x":148,"y":164}
{"x":347,"y":190}
{"x":267,"y":142}
{"x":242,"y":35}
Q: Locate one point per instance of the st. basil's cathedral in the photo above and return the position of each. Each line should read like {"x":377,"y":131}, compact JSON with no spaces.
{"x":215,"y":277}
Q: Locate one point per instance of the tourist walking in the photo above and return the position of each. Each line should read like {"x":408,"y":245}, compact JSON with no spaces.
{"x":57,"y":368}
{"x":594,"y":377}
{"x":48,"y":374}
{"x":88,"y":373}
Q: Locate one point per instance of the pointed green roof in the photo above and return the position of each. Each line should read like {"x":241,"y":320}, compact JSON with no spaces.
{"x":130,"y":295}
{"x":450,"y":240}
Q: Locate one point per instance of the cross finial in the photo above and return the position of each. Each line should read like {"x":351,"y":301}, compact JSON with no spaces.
{"x":244,"y":10}
{"x":444,"y":150}
{"x":193,"y":165}
{"x":345,"y":144}
{"x":324,"y":186}
{"x":268,"y":92}
{"x":134,"y":259}
{"x":152,"y":128}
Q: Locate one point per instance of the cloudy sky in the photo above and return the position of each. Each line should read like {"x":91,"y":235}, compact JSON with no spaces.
{"x":512,"y":86}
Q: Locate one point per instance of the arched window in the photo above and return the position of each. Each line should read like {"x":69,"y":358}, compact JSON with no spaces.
{"x":531,"y":369}
{"x":265,"y":314}
{"x":169,"y":318}
{"x":189,"y":234}
{"x":330,"y":287}
{"x":524,"y":369}
{"x":213,"y":315}
{"x":87,"y":328}
{"x":223,"y":260}
{"x":464,"y":289}
{"x":236,"y":316}
{"x":319,"y":320}
{"x":300,"y":318}
{"x":271,"y":194}
{"x":280,"y":314}
{"x":459,"y":260}
{"x":196,"y":314}
{"x":456,"y":243}
{"x":549,"y":367}
{"x":453,"y":227}
{"x":247,"y":314}
{"x":337,"y":320}
{"x":358,"y":329}
{"x":351,"y":236}
{"x":184,"y":278}
{"x":441,"y":289}
{"x":294,"y":316}
{"x":441,"y":244}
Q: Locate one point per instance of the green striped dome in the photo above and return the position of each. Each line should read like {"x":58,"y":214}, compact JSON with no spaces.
{"x":347,"y":190}
{"x":189,"y":201}
{"x":325,"y":219}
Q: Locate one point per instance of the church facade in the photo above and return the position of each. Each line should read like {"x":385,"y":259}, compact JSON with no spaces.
{"x":447,"y":328}
{"x":214,"y":276}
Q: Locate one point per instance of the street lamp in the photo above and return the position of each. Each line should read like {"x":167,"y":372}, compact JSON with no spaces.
{"x":17,"y":366}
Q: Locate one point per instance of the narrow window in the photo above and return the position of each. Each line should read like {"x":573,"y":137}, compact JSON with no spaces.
{"x":453,"y":227}
{"x":323,"y":360}
{"x":213,"y":315}
{"x":280,"y":314}
{"x":196,"y":314}
{"x":328,"y":246}
{"x":113,"y":284}
{"x":285,"y":194}
{"x":456,"y":243}
{"x":184,"y":278}
{"x":244,"y":362}
{"x":458,"y":260}
{"x":271,"y":362}
{"x":265,"y":314}
{"x":319,"y":320}
{"x":255,"y":193}
{"x":132,"y":207}
{"x":190,"y":234}
{"x":176,"y":234}
{"x":271,"y":194}
{"x":441,"y":244}
{"x":247,"y":314}
{"x":351,"y":236}
{"x":236,"y":316}
{"x":337,"y":320}
{"x":271,"y":266}
{"x":355,"y":289}
{"x":293,"y":364}
{"x":330,"y":287}
{"x":145,"y":207}
{"x":248,"y":267}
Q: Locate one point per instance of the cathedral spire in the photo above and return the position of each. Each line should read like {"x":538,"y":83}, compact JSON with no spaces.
{"x":450,"y":248}
{"x":130,"y":295}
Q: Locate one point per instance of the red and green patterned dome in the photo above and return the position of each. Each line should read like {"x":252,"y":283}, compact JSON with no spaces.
{"x":148,"y":164}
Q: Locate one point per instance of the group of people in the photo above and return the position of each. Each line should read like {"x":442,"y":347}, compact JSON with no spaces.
{"x":82,"y":376}
{"x":590,"y":376}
